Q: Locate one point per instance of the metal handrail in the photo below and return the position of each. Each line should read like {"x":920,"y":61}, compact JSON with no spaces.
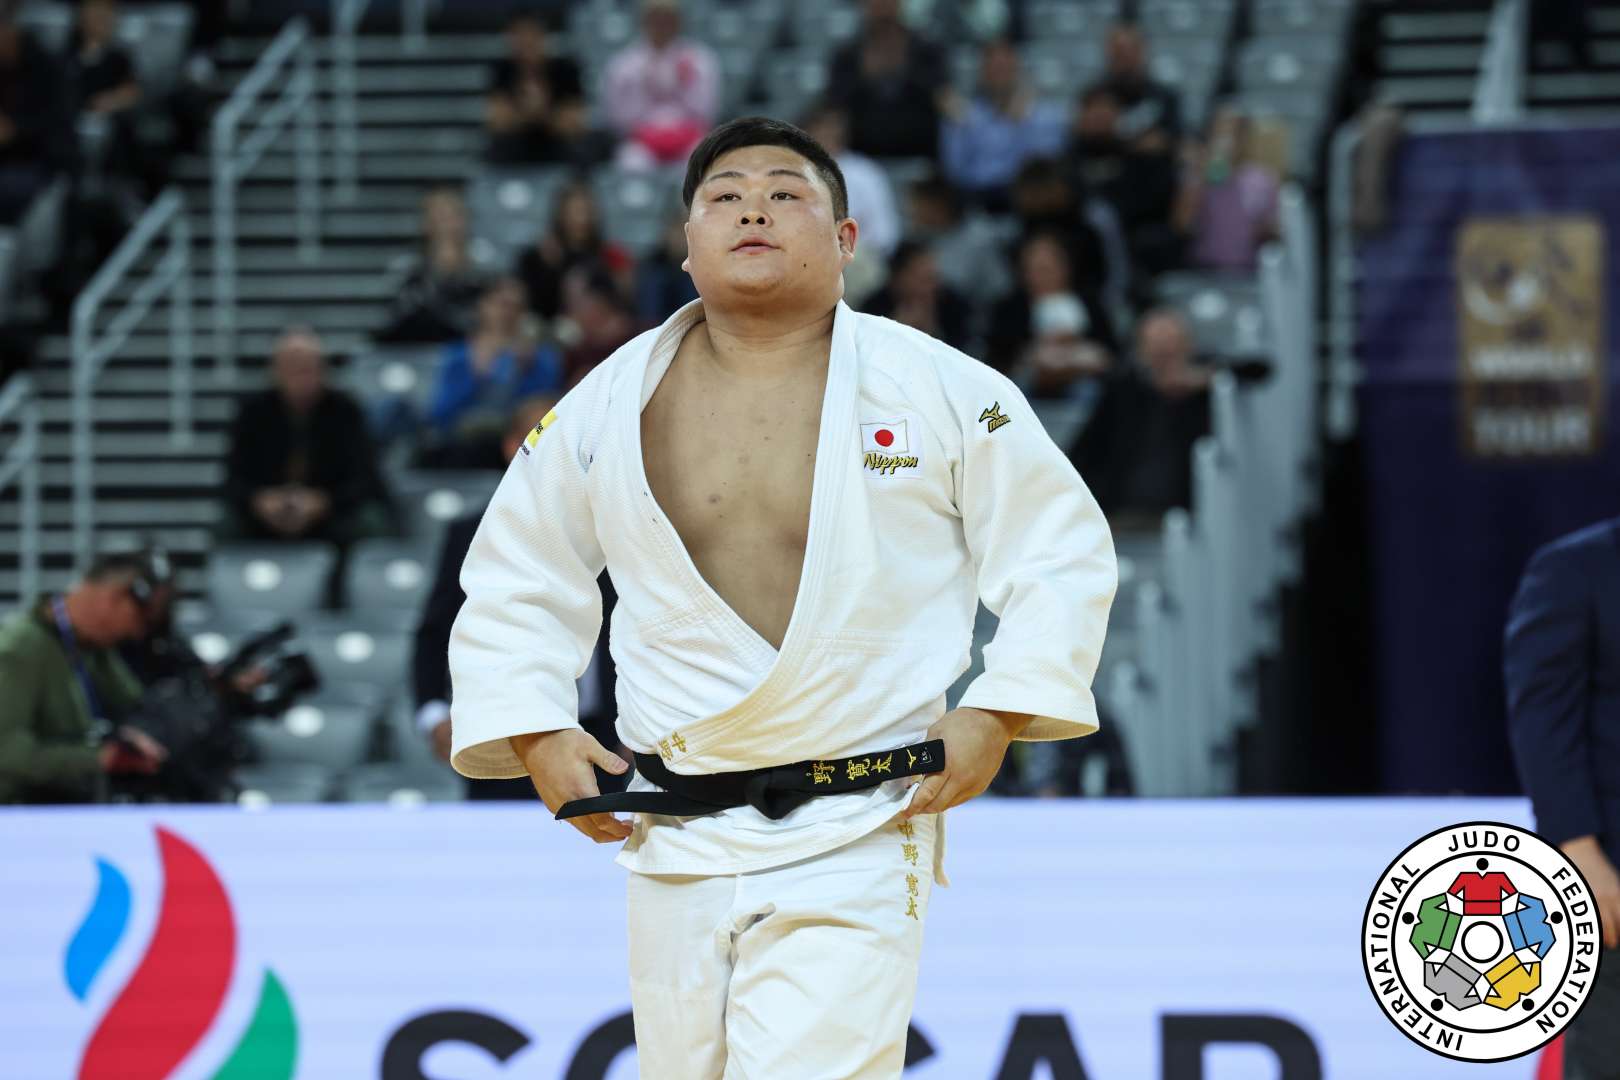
{"x":164,"y":219}
{"x":21,"y":460}
{"x":1499,"y":91}
{"x":346,"y":16}
{"x":234,"y":158}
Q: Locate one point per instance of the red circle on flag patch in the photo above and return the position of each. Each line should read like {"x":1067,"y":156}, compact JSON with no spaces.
{"x":883,"y":437}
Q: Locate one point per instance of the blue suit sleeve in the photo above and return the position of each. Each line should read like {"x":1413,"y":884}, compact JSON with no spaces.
{"x":1547,"y":670}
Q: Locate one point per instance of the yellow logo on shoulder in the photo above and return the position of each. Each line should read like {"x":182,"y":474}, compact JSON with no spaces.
{"x":534,"y":436}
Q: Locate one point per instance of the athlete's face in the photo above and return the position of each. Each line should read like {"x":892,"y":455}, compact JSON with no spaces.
{"x":762,"y":226}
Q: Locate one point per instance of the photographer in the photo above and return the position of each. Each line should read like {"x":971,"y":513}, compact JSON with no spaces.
{"x":67,"y":693}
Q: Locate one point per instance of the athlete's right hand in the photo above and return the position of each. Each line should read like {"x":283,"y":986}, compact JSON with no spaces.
{"x":559,"y":764}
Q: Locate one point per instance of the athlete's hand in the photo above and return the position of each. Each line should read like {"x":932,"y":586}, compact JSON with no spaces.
{"x":559,"y":764}
{"x":1599,"y":872}
{"x":976,"y":740}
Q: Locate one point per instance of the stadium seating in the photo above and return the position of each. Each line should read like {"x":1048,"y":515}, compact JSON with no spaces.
{"x":1224,"y":312}
{"x":324,"y":735}
{"x":286,"y":578}
{"x":283,"y":782}
{"x":400,"y":785}
{"x":388,"y":578}
{"x":345,"y":651}
{"x":395,"y":371}
{"x":430,"y":500}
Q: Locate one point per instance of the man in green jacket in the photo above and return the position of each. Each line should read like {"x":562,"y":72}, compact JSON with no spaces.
{"x":64,"y":692}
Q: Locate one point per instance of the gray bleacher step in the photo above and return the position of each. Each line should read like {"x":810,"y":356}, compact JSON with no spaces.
{"x":191,"y":582}
{"x":311,"y":286}
{"x":384,"y":48}
{"x":131,"y":410}
{"x":284,"y":197}
{"x":1419,"y":91}
{"x":1400,"y":59}
{"x":204,"y":445}
{"x":127,"y":513}
{"x":1435,"y":25}
{"x":348,"y":257}
{"x":179,"y":543}
{"x":397,"y":168}
{"x":1604,"y":20}
{"x":335,"y":224}
{"x":1573,"y":86}
{"x":252,"y":345}
{"x":1556,"y":53}
{"x":402,"y":78}
{"x":362,"y":319}
{"x":157,"y":474}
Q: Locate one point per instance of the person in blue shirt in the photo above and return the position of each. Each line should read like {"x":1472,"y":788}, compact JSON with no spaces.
{"x":480,"y":379}
{"x":984,"y":141}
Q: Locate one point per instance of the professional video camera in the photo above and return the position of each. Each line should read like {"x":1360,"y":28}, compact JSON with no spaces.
{"x":197,"y":711}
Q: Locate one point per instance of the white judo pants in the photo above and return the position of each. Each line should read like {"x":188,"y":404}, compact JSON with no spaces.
{"x":801,"y":972}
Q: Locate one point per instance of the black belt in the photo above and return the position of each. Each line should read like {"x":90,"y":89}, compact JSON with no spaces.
{"x":773,"y":791}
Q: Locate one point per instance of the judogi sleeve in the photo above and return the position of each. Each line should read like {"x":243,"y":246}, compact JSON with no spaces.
{"x":1044,"y":558}
{"x":533,"y":608}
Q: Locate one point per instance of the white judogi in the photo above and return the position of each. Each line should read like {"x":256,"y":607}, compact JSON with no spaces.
{"x":935,"y":486}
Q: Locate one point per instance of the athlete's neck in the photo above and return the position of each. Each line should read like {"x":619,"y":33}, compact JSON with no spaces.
{"x":745,"y":345}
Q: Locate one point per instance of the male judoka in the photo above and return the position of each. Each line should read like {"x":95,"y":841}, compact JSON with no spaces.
{"x":800,"y":507}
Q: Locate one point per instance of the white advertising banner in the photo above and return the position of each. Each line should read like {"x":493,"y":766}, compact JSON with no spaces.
{"x":1106,"y":940}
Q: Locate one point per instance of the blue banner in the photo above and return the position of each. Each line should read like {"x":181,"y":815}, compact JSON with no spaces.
{"x":1487,"y":326}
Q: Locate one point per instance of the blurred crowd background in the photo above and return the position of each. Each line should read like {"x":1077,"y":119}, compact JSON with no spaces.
{"x":1076,"y":192}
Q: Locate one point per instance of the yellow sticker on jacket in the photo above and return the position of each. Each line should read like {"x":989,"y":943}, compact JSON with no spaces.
{"x":534,"y":436}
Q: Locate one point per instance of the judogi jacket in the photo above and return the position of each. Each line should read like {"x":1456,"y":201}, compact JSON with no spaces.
{"x":935,"y":487}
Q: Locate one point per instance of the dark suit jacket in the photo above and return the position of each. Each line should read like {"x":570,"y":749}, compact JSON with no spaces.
{"x":430,"y":668}
{"x":1561,"y":660}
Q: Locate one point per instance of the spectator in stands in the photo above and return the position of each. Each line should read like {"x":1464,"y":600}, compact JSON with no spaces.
{"x":871,"y":196}
{"x":1150,"y":112}
{"x":102,"y":86}
{"x":482,"y":377}
{"x":1136,"y":450}
{"x":890,"y":81}
{"x":301,"y":464}
{"x":1228,"y":202}
{"x":597,"y":319}
{"x":36,"y":132}
{"x":661,"y":285}
{"x":67,"y":694}
{"x":535,"y":111}
{"x":985,"y":140}
{"x":430,"y":670}
{"x":440,"y":293}
{"x":871,"y":202}
{"x":1561,"y":667}
{"x":969,"y":251}
{"x":915,"y":296}
{"x":574,"y":239}
{"x":1137,"y":175}
{"x":661,"y":92}
{"x":1046,"y":200}
{"x":1049,"y":331}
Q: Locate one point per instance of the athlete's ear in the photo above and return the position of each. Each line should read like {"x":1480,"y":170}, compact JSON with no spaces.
{"x":686,"y":263}
{"x":848,"y":234}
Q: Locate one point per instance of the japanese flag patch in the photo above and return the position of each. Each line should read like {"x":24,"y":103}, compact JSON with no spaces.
{"x":891,"y":447}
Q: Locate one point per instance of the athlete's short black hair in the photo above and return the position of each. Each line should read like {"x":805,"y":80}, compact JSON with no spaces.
{"x":763,"y":131}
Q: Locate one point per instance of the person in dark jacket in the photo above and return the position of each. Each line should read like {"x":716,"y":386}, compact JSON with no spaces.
{"x":1561,"y":666}
{"x":1135,"y":451}
{"x":891,"y":82}
{"x":36,"y":129}
{"x":430,"y":666}
{"x":301,"y":464}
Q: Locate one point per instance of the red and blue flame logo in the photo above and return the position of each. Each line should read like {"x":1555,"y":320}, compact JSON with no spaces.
{"x":181,"y":982}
